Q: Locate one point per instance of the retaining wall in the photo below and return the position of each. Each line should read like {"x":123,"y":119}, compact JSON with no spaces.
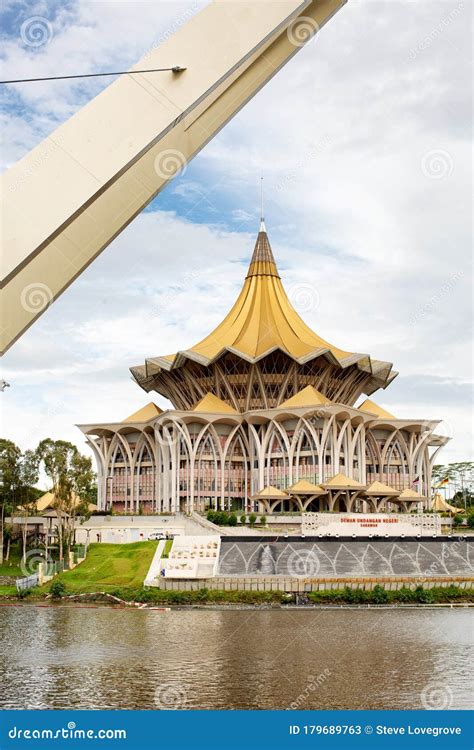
{"x":298,"y":585}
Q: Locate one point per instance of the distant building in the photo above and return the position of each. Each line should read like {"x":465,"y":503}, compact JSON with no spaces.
{"x":264,"y":418}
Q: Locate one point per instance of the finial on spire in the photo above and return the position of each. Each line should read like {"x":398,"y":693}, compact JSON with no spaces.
{"x":262,"y":219}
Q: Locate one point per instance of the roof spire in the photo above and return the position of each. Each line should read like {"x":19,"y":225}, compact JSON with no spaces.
{"x":262,"y":218}
{"x":263,"y":262}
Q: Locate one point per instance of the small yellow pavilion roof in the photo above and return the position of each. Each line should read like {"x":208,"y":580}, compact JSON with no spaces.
{"x":371,"y":407}
{"x":309,"y":396}
{"x":144,"y":414}
{"x":379,"y":488}
{"x":214,"y":404}
{"x":409,"y":494}
{"x":440,"y":504}
{"x":341,"y":482}
{"x":271,"y":493}
{"x":48,"y":500}
{"x":303,"y":487}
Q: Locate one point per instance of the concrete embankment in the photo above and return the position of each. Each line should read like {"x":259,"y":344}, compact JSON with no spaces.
{"x":299,"y":565}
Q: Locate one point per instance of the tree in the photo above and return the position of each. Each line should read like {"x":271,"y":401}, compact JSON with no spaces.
{"x":71,"y":476}
{"x":29,"y":475}
{"x":460,"y":476}
{"x":9,"y":483}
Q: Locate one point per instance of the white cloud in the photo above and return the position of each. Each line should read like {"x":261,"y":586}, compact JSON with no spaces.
{"x":362,"y":140}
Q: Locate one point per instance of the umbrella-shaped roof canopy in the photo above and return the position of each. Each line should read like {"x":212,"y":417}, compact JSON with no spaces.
{"x":379,"y":488}
{"x":303,"y":487}
{"x":270,"y":493}
{"x":213,"y":404}
{"x":341,"y":482}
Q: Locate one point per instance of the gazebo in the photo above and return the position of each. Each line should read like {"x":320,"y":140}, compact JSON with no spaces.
{"x":270,"y":497}
{"x":306,"y":493}
{"x":409,"y":500}
{"x":342,"y":489}
{"x":378,"y":494}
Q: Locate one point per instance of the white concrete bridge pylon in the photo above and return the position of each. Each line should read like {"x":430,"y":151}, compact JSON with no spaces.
{"x":66,"y":200}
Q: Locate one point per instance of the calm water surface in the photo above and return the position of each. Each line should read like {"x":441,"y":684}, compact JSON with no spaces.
{"x":65,"y":657}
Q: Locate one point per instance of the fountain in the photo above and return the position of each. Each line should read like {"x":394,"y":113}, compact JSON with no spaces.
{"x":266,"y":565}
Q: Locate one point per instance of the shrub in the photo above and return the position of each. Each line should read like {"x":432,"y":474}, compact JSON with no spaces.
{"x":252,"y":519}
{"x":211,"y":515}
{"x":57,"y":590}
{"x":222,"y":519}
{"x":457,"y":520}
{"x":470,"y":520}
{"x":424,"y":596}
{"x":232,"y":520}
{"x":243,"y":519}
{"x":263,"y":520}
{"x":405,"y":595}
{"x":379,"y":595}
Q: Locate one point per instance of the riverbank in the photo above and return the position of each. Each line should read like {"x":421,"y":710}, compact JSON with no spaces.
{"x":125,"y":596}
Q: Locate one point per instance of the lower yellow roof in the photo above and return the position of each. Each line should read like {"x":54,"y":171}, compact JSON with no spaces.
{"x":309,"y":396}
{"x":144,"y":414}
{"x":213,"y":404}
{"x":371,"y":407}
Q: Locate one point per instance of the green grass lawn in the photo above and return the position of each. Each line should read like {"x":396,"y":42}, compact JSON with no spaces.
{"x":110,"y":566}
{"x":167,"y":548}
{"x":11,"y":567}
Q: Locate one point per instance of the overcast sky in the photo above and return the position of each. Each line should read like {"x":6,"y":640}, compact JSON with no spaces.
{"x":364,"y":143}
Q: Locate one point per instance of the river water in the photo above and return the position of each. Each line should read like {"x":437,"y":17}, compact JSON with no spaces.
{"x":73,"y":657}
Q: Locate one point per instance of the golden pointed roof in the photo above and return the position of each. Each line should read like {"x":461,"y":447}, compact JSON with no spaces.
{"x":440,"y":504}
{"x":303,"y":487}
{"x":309,"y":396}
{"x":371,"y":407}
{"x":48,"y":500}
{"x":271,"y":493}
{"x":340,"y":482}
{"x":379,"y":488}
{"x":263,"y":320}
{"x":144,"y":414}
{"x":409,"y":494}
{"x":213,"y":404}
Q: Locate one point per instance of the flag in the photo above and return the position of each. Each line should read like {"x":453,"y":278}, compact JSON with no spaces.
{"x":416,"y":480}
{"x":443,"y":483}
